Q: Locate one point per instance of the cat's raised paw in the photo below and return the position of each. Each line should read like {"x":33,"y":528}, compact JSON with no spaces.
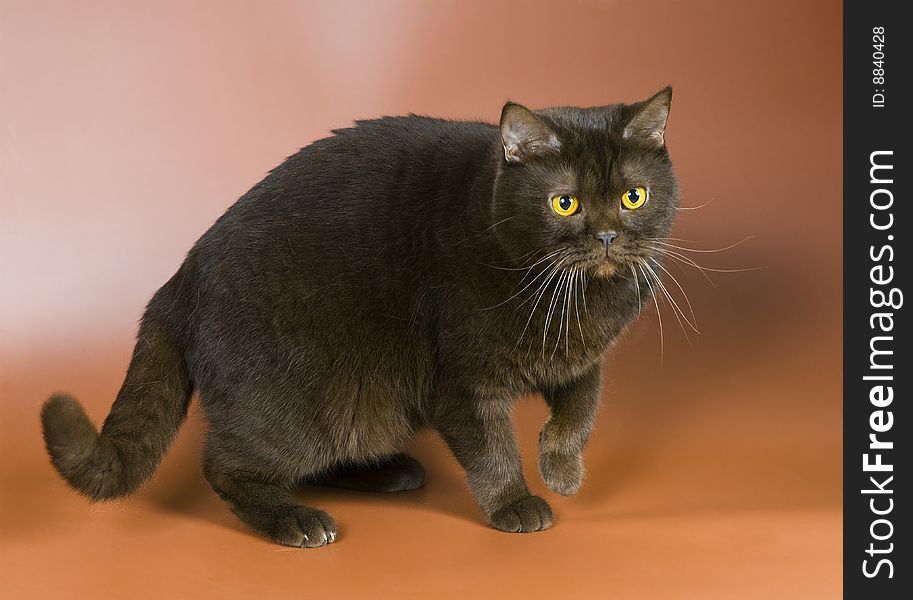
{"x":562,"y":473}
{"x":305,"y":528}
{"x":530,"y":513}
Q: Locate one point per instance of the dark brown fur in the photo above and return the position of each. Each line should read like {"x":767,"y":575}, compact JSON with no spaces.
{"x":395,"y":276}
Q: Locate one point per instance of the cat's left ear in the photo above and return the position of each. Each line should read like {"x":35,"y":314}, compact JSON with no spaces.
{"x":524,"y":135}
{"x":648,"y":124}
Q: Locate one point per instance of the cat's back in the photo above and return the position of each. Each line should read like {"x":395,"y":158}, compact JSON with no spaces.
{"x":338,"y":243}
{"x":367,"y":188}
{"x":375,"y":160}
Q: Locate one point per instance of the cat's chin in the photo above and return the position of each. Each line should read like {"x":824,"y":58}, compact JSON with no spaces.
{"x":604,"y":270}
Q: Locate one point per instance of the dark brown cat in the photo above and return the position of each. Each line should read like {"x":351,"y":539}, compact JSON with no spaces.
{"x":404,"y":273}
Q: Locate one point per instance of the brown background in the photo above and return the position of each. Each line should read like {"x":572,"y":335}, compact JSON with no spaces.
{"x":127,"y":128}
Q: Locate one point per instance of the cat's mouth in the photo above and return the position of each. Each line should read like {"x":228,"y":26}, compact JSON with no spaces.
{"x":605,"y":266}
{"x":602,"y":266}
{"x":604,"y":269}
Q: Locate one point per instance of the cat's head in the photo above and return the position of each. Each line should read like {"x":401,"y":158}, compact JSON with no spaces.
{"x":593,"y":187}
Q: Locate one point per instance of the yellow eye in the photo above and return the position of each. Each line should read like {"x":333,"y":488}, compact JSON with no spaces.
{"x":634,"y":198}
{"x":565,"y":204}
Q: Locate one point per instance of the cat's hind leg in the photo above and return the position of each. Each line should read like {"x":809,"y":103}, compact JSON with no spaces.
{"x":268,"y":508}
{"x":396,"y":473}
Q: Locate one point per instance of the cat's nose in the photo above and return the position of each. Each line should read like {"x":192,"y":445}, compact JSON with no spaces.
{"x":607,"y":237}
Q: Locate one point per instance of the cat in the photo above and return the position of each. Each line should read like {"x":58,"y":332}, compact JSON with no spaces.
{"x":401,"y":274}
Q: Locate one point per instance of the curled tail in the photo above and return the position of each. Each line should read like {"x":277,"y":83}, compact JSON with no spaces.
{"x":151,"y":405}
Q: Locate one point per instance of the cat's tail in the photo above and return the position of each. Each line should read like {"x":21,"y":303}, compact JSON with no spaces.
{"x":151,"y":405}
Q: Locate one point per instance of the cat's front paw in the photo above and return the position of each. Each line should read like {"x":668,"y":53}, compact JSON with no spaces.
{"x":303,"y":527}
{"x":562,"y":473}
{"x":530,"y":513}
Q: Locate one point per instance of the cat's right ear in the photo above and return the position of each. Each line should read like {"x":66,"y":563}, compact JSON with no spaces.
{"x":648,"y":125}
{"x":524,"y":135}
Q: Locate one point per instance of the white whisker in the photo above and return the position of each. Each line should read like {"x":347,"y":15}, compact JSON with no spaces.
{"x":567,"y":320}
{"x":552,"y":305}
{"x":540,"y":291}
{"x":527,"y":268}
{"x":675,"y":306}
{"x":696,"y":207}
{"x":690,"y":262}
{"x":676,"y":312}
{"x":680,"y":288}
{"x":577,"y":280}
{"x":528,"y":285}
{"x":658,"y":313}
{"x":636,"y":285}
{"x":564,"y":304}
{"x":664,"y":242}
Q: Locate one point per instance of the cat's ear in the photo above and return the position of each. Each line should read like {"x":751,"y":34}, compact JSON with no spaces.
{"x":523,"y":134}
{"x":649,"y":122}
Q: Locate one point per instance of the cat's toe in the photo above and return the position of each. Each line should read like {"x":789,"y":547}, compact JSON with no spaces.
{"x":305,"y":528}
{"x":562,"y":473}
{"x":530,"y":513}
